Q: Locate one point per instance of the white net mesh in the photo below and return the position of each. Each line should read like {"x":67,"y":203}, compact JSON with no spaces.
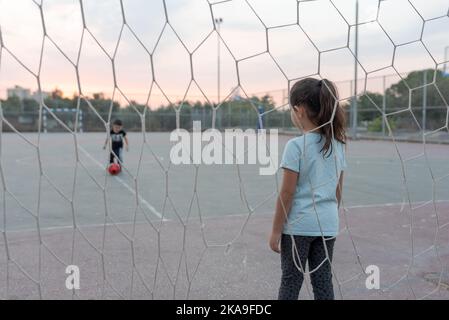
{"x":196,"y":231}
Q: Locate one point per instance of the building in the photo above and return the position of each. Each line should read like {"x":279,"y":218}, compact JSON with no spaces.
{"x":23,"y":93}
{"x":36,"y":95}
{"x":19,"y":92}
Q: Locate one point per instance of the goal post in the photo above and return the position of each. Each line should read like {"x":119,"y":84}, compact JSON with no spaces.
{"x":72,"y":117}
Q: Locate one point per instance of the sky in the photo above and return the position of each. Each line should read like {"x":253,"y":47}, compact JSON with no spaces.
{"x":293,"y":50}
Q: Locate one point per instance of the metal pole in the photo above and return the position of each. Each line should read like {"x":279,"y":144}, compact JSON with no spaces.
{"x":424,"y":102}
{"x":218,"y":21}
{"x":284,"y":114}
{"x":80,"y":119}
{"x":44,"y":120}
{"x":446,"y":49}
{"x":384,"y":104}
{"x":354,"y":114}
{"x":351,"y":110}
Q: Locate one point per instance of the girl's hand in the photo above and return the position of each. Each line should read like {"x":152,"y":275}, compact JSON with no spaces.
{"x":275,"y":240}
{"x":127,"y":148}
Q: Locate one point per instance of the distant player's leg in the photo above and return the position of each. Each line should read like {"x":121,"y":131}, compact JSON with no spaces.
{"x":116,"y":154}
{"x":292,"y":277}
{"x":111,"y":158}
{"x":322,"y":278}
{"x":120,"y":155}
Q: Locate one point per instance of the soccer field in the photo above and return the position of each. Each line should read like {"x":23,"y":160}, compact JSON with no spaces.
{"x":375,"y":177}
{"x":78,"y":79}
{"x":146,"y":234}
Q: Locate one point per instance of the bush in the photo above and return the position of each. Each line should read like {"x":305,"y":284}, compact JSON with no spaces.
{"x":376,"y":125}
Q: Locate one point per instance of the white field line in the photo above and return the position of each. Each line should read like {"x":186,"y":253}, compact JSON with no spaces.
{"x":264,"y":215}
{"x":131,"y":190}
{"x":393,"y":204}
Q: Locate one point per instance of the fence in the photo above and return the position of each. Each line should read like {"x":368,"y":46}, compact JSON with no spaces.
{"x":401,"y":124}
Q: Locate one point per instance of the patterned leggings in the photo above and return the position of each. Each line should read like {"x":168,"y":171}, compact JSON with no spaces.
{"x":311,"y":250}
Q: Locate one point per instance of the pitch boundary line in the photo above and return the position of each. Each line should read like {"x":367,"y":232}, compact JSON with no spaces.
{"x":264,"y":214}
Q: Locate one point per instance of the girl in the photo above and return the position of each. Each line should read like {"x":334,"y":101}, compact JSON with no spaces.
{"x":306,"y":219}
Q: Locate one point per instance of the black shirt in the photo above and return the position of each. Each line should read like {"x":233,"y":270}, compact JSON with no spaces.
{"x":117,"y":139}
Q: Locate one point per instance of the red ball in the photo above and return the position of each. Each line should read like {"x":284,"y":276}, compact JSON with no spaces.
{"x":114,"y":169}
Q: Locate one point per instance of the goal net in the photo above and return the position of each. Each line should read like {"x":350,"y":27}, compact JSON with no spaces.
{"x":163,"y":229}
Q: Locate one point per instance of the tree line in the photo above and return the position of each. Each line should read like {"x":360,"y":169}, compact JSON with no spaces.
{"x":242,"y":112}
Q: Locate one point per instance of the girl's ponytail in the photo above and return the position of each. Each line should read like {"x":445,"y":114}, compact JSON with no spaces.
{"x":328,"y":106}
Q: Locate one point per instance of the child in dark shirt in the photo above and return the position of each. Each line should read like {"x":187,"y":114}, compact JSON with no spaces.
{"x":118,"y":140}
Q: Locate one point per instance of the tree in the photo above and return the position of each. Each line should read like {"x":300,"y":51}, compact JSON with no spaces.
{"x":12,"y":104}
{"x":367,"y":110}
{"x":57,"y":94}
{"x":398,"y":95}
{"x":30,"y":105}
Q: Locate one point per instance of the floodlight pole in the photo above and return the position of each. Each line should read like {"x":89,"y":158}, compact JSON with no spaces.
{"x":384,"y":104}
{"x":218,"y":22}
{"x":356,"y":52}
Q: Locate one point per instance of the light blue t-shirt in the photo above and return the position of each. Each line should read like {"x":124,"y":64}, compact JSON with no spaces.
{"x":314,"y":210}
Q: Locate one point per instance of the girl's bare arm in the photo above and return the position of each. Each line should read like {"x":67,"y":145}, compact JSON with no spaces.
{"x":339,"y":191}
{"x":283,"y":205}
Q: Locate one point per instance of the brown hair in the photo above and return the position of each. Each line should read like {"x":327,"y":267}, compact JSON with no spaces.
{"x":320,"y":98}
{"x":118,"y":122}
